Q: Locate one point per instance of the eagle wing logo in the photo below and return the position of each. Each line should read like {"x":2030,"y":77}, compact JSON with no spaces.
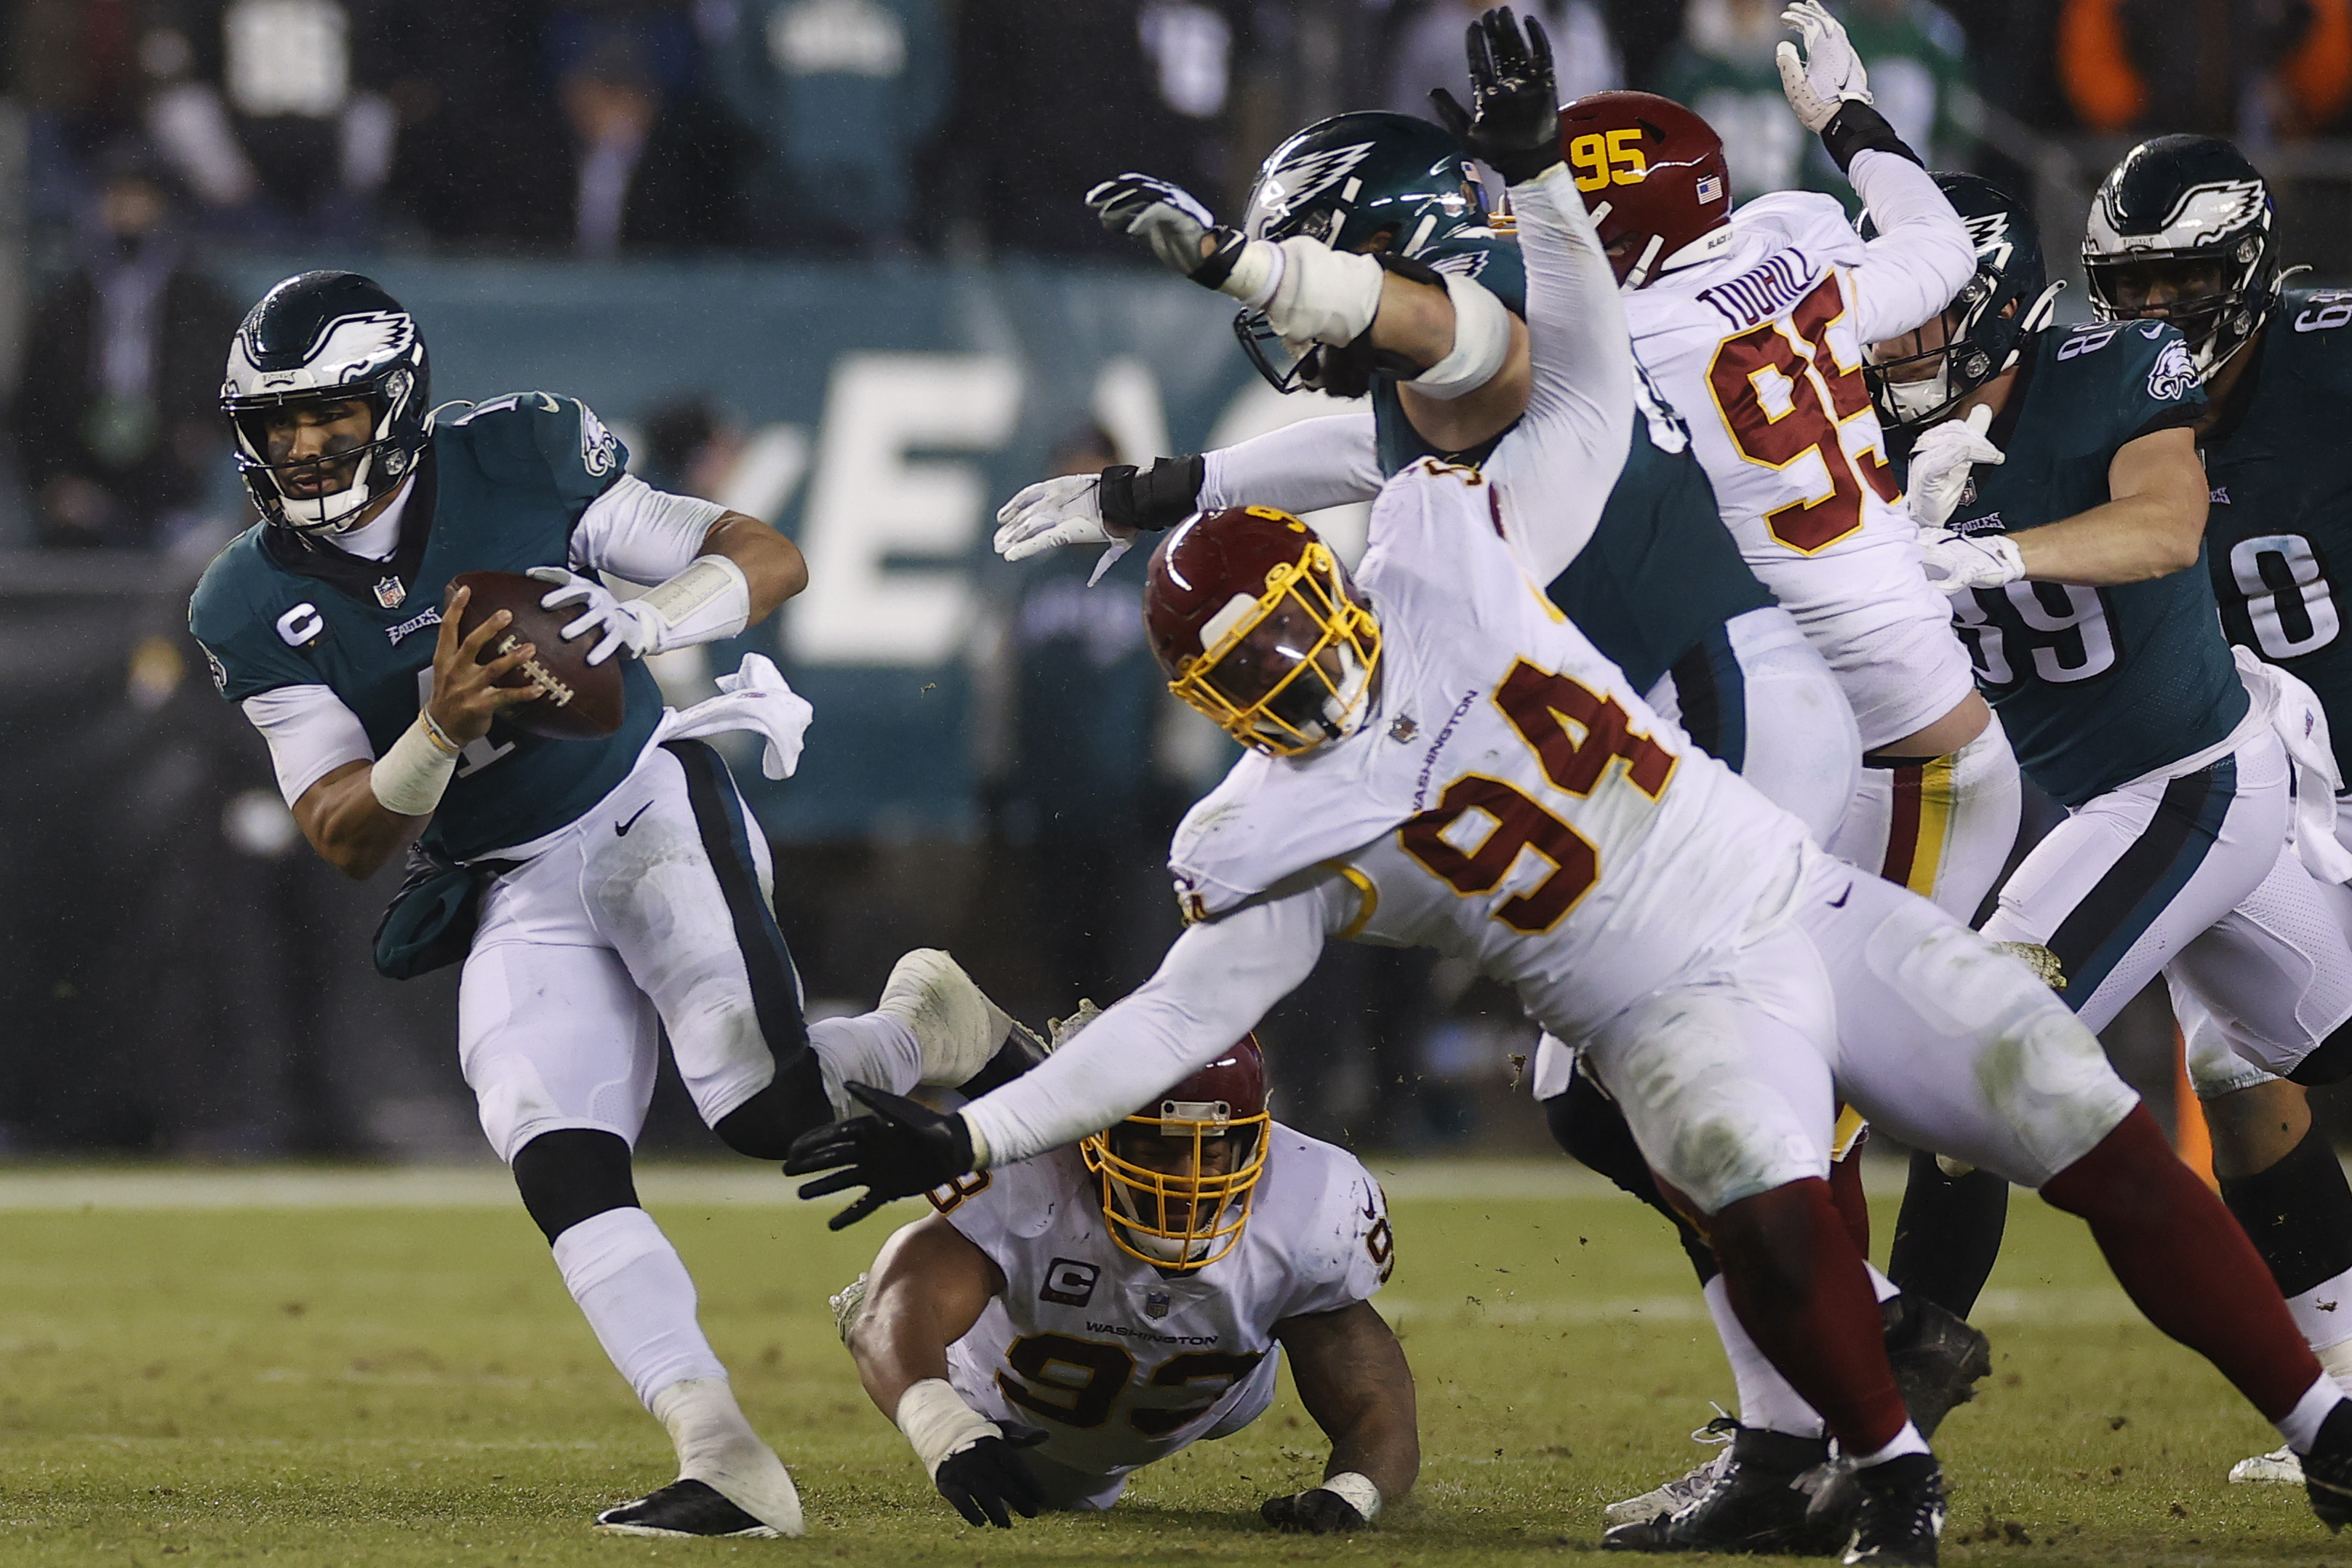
{"x":1286,"y":189}
{"x":1989,"y":233}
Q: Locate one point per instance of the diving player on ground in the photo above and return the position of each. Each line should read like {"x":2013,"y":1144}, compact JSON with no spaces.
{"x":1062,"y":1323}
{"x":1438,"y":758}
{"x":2181,"y":231}
{"x":617,"y":886}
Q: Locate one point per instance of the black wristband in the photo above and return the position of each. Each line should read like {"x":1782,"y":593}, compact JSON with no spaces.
{"x":1155,"y":499}
{"x":1858,"y":128}
{"x":1219,"y":264}
{"x":1519,"y":168}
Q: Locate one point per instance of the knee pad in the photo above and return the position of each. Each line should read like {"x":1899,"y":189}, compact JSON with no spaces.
{"x":572,"y":1174}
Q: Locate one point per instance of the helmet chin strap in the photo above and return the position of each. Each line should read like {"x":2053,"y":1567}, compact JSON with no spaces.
{"x":336,"y":511}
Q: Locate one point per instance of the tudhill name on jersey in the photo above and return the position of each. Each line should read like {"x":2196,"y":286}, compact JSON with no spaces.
{"x":1762,"y":291}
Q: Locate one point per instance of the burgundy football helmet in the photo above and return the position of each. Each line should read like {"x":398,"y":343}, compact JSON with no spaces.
{"x":1653,"y":178}
{"x":1162,"y":1198}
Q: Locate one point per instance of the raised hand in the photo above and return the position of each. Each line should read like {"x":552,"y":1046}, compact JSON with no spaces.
{"x":1828,"y":75}
{"x":903,"y":1149}
{"x":1513,"y":123}
{"x":1065,"y":510}
{"x":1183,"y":234}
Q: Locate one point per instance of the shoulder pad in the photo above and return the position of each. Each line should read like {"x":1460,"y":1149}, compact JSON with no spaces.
{"x":560,"y":435}
{"x":252,"y":621}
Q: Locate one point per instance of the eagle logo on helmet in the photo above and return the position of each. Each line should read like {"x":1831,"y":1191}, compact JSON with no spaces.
{"x":1988,"y":234}
{"x":2202,"y":215}
{"x":1292,"y":185}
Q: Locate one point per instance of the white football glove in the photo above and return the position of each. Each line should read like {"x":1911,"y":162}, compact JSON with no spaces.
{"x":1165,"y":216}
{"x":621,"y":623}
{"x":1051,"y":512}
{"x":1941,"y":461}
{"x":1956,"y":561}
{"x":1829,"y":73}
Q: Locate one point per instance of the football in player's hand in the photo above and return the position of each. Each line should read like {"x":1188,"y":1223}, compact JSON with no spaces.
{"x":583,"y":701}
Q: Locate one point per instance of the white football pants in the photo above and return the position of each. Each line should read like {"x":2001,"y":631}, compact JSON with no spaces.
{"x":1868,"y":995}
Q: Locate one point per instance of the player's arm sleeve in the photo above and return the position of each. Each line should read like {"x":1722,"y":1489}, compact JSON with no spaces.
{"x":637,"y":532}
{"x":310,"y":734}
{"x":1304,"y":467}
{"x":1580,"y":413}
{"x":1921,"y":256}
{"x":1218,"y":980}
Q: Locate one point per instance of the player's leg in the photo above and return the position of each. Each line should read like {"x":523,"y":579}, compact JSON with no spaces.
{"x":1731,"y":1104}
{"x":1948,"y":1043}
{"x":560,"y":1049}
{"x":684,"y":897}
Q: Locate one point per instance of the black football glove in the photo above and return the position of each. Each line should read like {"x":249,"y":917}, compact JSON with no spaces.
{"x":1172,"y":222}
{"x":1513,"y":123}
{"x":989,"y":1477}
{"x":1312,"y":1513}
{"x":902,"y":1150}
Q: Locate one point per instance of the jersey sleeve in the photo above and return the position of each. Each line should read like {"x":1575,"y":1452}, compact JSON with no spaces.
{"x":1490,"y":261}
{"x":2136,"y":377}
{"x":250,"y":645}
{"x":1349,"y":1249}
{"x":584,"y":458}
{"x":1302,"y":467}
{"x":1922,"y":255}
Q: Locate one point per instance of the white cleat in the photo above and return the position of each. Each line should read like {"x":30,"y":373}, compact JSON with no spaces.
{"x":958,"y":1026}
{"x":2279,"y":1467}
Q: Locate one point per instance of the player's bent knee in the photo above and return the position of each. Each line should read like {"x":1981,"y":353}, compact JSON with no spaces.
{"x":763,"y":1127}
{"x":572,"y":1174}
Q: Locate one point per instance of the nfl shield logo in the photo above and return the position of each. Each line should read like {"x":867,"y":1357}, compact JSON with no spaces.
{"x":1155,"y":1305}
{"x":390,"y":592}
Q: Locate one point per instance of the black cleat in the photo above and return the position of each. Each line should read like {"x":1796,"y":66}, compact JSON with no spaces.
{"x":1671,"y":1496}
{"x":1937,"y":1359}
{"x":683,"y":1507}
{"x":1756,"y":1502}
{"x":1901,"y":1513}
{"x":2328,"y":1468}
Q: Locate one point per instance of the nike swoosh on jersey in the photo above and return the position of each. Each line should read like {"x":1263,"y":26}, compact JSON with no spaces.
{"x":620,"y":829}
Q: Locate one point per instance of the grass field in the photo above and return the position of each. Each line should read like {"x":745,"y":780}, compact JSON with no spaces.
{"x":308,"y":1385}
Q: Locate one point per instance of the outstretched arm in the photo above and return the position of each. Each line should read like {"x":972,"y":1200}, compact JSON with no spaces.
{"x":927,"y":1286}
{"x":1352,"y":1377}
{"x":1302,"y":466}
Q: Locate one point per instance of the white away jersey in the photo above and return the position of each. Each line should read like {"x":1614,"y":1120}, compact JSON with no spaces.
{"x":1121,"y":1363}
{"x":1761,"y":352}
{"x":1512,"y":800}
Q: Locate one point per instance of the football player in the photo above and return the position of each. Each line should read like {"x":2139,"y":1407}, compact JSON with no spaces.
{"x":1439,"y":758}
{"x":1936,"y":805}
{"x":1061,"y":1322}
{"x":2181,"y":231}
{"x":596,"y":890}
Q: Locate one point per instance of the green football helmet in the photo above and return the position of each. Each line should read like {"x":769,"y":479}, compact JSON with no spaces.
{"x":1367,"y":181}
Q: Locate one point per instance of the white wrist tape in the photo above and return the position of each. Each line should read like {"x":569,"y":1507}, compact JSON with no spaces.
{"x":709,"y":600}
{"x":978,"y":1144}
{"x":1324,"y":296}
{"x":411,"y":778}
{"x":1256,"y":273}
{"x":1359,"y":1492}
{"x":1481,"y":340}
{"x":939,"y":1424}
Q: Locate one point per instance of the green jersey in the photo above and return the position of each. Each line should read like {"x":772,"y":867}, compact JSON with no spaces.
{"x":2095,"y":686}
{"x":499,"y":489}
{"x":1661,"y":574}
{"x":2280,"y":530}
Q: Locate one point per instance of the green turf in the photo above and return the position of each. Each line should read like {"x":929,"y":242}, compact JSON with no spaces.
{"x":411,"y":1387}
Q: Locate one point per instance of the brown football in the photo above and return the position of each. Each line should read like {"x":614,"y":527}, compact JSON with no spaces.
{"x":583,"y":701}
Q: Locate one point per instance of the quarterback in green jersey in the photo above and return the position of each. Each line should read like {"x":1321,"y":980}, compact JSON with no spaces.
{"x":2058,"y":470}
{"x":598,"y":891}
{"x":2181,"y":231}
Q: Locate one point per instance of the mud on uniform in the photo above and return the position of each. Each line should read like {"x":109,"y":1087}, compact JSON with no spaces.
{"x":1760,"y":349}
{"x":630,"y":893}
{"x":2278,"y":541}
{"x":2125,"y":706}
{"x":1121,"y":1363}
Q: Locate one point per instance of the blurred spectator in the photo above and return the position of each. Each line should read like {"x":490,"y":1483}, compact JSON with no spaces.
{"x":1083,"y":802}
{"x":480,"y":134}
{"x":73,"y":65}
{"x":1429,"y":53}
{"x":842,"y":92}
{"x":646,"y":172}
{"x":271,"y":114}
{"x":1053,"y":96}
{"x":117,"y":428}
{"x":1724,"y":69}
{"x":688,"y":448}
{"x":2256,"y":69}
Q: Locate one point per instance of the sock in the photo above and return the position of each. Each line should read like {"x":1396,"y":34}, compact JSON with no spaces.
{"x":1947,"y":1233}
{"x":2186,"y":1263}
{"x":716,"y":1446}
{"x":872,"y":1048}
{"x":1792,"y":1269}
{"x":635,"y":1294}
{"x":2300,"y":1426}
{"x":1766,"y":1403}
{"x":1845,"y":1191}
{"x":1906,"y":1441}
{"x":2298,"y":1213}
